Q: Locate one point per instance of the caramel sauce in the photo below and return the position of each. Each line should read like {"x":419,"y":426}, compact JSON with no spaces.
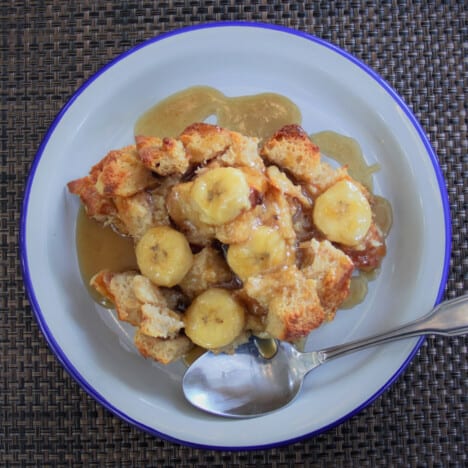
{"x":358,"y":289}
{"x":258,"y":115}
{"x":347,"y":152}
{"x":190,"y":357}
{"x":98,"y":248}
{"x":267,"y":347}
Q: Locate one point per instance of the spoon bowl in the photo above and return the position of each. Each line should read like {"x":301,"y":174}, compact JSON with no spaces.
{"x":247,"y":384}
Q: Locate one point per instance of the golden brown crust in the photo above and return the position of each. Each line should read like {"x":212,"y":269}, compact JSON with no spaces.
{"x":164,"y":156}
{"x":100,"y":282}
{"x":291,"y":148}
{"x":242,"y":152}
{"x":97,"y":207}
{"x":203,"y":141}
{"x":291,"y":300}
{"x":122,"y":173}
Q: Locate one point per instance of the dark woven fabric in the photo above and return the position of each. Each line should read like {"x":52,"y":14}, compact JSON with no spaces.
{"x":48,"y":49}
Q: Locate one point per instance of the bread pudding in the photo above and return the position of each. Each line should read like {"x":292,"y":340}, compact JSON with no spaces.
{"x":232,"y":237}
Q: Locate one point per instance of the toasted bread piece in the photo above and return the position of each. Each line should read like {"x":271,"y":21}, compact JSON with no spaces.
{"x":332,"y":269}
{"x":322,"y":177}
{"x":165,"y":156}
{"x":283,"y":183}
{"x":126,"y":303}
{"x":291,"y":300}
{"x":291,"y":148}
{"x":123,"y":174}
{"x":203,"y":141}
{"x":100,"y":282}
{"x":118,"y":288}
{"x":162,"y":350}
{"x":278,"y":213}
{"x":159,"y":321}
{"x":209,"y":269}
{"x":100,"y":208}
{"x":242,"y":151}
{"x":135,"y":212}
{"x":146,"y":291}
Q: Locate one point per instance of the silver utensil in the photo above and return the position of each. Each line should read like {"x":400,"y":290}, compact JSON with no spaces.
{"x":246,"y":384}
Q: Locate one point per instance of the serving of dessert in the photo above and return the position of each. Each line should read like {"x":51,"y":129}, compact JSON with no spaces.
{"x":225,"y":234}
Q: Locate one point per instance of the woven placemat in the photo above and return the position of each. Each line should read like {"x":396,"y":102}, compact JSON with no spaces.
{"x":48,"y":49}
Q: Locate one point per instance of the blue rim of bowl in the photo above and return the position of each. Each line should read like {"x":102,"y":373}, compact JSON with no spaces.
{"x":24,"y":260}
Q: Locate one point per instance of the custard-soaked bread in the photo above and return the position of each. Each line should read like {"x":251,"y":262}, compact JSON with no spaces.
{"x":332,"y":269}
{"x":243,"y":151}
{"x":118,"y":288}
{"x":283,"y":183}
{"x":276,"y":211}
{"x":97,"y":207}
{"x":324,"y":176}
{"x":291,"y":300}
{"x":120,"y":173}
{"x":203,"y":141}
{"x":208,"y":269}
{"x":136,"y":213}
{"x":147,"y":292}
{"x":291,"y":149}
{"x":162,"y":350}
{"x":165,"y":156}
{"x":159,"y":321}
{"x":123,"y":174}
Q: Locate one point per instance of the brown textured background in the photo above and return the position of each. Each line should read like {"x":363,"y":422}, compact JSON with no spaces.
{"x":48,"y":49}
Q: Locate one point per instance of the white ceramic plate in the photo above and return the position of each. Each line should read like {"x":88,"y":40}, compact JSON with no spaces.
{"x":334,"y":91}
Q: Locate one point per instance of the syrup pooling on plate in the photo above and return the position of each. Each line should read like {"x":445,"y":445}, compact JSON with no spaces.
{"x":259,"y":115}
{"x":347,"y":152}
{"x":99,"y":247}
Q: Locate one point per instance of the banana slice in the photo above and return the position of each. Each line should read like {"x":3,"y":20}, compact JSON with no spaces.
{"x":220,"y":195}
{"x":263,"y":251}
{"x":343,"y":213}
{"x":214,"y":319}
{"x":164,"y":256}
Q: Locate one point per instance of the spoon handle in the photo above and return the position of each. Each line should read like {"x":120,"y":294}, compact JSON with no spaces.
{"x":449,"y":318}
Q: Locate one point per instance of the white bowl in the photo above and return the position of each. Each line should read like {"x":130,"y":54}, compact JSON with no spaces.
{"x":334,"y":91}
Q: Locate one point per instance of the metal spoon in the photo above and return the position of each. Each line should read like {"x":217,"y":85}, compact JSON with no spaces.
{"x":246,"y":384}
